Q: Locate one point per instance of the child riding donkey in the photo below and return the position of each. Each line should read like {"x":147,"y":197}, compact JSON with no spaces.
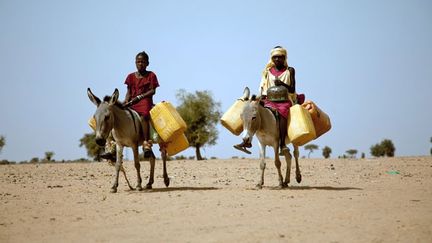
{"x":277,"y":75}
{"x":141,"y":86}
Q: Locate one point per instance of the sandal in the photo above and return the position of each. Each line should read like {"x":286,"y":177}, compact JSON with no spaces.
{"x":109,"y":156}
{"x":148,"y":153}
{"x":241,"y":148}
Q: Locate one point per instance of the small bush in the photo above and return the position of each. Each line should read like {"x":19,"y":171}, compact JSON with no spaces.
{"x":180,"y":157}
{"x":385,"y":148}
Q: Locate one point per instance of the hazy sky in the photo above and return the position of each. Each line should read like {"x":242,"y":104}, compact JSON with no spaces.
{"x":367,"y":64}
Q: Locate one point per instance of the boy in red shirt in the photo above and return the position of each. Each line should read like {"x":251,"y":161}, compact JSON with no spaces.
{"x":141,"y":86}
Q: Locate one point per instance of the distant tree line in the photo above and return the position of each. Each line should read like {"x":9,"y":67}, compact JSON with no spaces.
{"x":384,"y":148}
{"x":48,"y":155}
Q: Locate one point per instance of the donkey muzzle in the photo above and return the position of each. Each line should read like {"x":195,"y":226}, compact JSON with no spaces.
{"x":100,"y":141}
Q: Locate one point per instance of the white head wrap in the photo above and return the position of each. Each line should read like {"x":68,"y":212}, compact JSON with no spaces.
{"x":278,"y":51}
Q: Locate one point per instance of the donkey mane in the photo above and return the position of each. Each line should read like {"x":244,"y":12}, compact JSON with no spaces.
{"x":118,"y":103}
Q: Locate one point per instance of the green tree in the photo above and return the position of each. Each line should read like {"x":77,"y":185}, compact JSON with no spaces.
{"x":93,"y":150}
{"x":385,"y":148}
{"x":2,"y":142}
{"x":49,"y":155}
{"x":201,"y":114}
{"x":388,"y":147}
{"x":352,"y":152}
{"x":377,"y":150}
{"x":326,"y":151}
{"x":311,"y":148}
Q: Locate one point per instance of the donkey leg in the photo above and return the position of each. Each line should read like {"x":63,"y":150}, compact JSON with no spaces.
{"x":262,"y":165}
{"x":122,"y":169}
{"x":151,"y":177}
{"x":164,"y":159}
{"x":278,"y":166}
{"x":124,"y":174}
{"x":262,"y":168}
{"x":137,"y":167}
{"x":298,"y":173}
{"x":288,"y":159}
{"x":118,"y":164}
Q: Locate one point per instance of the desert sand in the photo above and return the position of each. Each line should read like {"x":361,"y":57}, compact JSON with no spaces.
{"x":339,"y":200}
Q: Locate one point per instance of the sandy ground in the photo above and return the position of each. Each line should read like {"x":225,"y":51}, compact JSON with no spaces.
{"x":351,"y":200}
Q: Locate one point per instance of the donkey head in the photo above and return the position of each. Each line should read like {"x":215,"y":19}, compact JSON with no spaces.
{"x":250,"y":116}
{"x":104,"y":116}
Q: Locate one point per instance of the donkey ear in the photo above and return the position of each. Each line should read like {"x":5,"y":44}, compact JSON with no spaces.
{"x":93,"y":98}
{"x":246,"y":94}
{"x":114,"y":97}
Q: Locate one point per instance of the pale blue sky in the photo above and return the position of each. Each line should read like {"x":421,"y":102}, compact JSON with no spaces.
{"x":365,"y":63}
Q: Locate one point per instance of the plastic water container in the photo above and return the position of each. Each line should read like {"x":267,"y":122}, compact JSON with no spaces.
{"x":167,"y":121}
{"x":300,"y":126}
{"x":92,"y":123}
{"x":231,"y":119}
{"x":320,"y":119}
{"x":177,"y":145}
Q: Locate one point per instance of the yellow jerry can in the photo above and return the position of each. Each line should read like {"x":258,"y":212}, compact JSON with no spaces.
{"x":167,"y":121}
{"x":92,"y":123}
{"x":177,"y":145}
{"x":300,"y":126}
{"x":231,"y":119}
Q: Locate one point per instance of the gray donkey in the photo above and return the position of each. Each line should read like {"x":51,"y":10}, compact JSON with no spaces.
{"x":126,"y":129}
{"x":260,"y":121}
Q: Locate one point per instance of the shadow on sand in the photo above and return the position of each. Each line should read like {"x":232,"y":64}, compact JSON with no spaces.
{"x":326,"y":188}
{"x":182,"y":188}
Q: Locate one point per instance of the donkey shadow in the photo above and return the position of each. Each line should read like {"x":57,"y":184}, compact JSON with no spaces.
{"x":181,"y":188}
{"x":325,"y":188}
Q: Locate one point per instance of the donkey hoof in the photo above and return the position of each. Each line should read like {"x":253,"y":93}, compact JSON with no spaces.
{"x":113,"y":190}
{"x":285,"y":185}
{"x":139,"y":188}
{"x":298,"y":178}
{"x":167,"y":181}
{"x":259,"y":186}
{"x":148,"y":186}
